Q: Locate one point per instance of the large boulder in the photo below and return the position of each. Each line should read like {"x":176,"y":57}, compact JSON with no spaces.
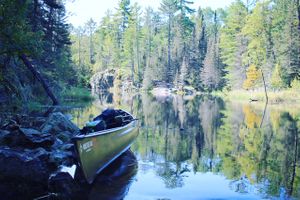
{"x":3,"y":137}
{"x":62,"y":157}
{"x":103,"y":81}
{"x":26,"y":138}
{"x":57,"y":123}
{"x":30,"y":165}
{"x":25,"y":173}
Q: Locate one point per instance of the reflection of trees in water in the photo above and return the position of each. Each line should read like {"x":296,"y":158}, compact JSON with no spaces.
{"x":227,"y":140}
{"x":289,"y":130}
{"x":267,"y":156}
{"x":105,"y":98}
{"x":216,"y":138}
{"x":172,"y":174}
{"x":210,"y":117}
{"x":241,"y":185}
{"x":173,"y":129}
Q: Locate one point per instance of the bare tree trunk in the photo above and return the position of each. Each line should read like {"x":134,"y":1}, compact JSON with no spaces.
{"x":290,"y":190}
{"x":264,"y":113}
{"x":169,"y":50}
{"x":39,"y":77}
{"x":265,"y":87}
{"x":298,"y":12}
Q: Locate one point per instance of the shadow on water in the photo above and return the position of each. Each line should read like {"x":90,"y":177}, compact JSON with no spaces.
{"x":112,"y":183}
{"x":115,"y":181}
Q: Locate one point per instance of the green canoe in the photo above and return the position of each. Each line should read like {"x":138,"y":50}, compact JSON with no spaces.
{"x":97,"y":150}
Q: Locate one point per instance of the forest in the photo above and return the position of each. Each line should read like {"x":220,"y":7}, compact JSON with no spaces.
{"x":207,"y":49}
{"x":246,"y":46}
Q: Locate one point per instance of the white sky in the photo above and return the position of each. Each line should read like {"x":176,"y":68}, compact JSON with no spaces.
{"x":81,"y":11}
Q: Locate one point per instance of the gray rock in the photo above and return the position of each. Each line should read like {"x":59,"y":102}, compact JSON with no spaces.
{"x":38,"y":121}
{"x":60,"y":157}
{"x":3,"y":136}
{"x":64,"y":136}
{"x":29,"y":166}
{"x":26,"y":138}
{"x":57,"y":123}
{"x":24,"y":173}
{"x":103,"y":81}
{"x":57,"y":144}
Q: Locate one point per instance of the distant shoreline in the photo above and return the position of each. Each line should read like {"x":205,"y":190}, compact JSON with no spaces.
{"x":275,"y":97}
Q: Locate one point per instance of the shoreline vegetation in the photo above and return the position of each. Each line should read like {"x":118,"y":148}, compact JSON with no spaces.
{"x":274,"y":97}
{"x":77,"y":94}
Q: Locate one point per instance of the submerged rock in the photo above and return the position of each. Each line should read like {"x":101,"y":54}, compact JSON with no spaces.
{"x":57,"y":123}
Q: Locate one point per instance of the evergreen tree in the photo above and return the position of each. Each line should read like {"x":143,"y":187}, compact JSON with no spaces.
{"x":91,"y":28}
{"x":257,"y":31}
{"x":212,"y":72}
{"x":198,"y":48}
{"x":168,"y":7}
{"x":289,"y":41}
{"x":234,"y":45}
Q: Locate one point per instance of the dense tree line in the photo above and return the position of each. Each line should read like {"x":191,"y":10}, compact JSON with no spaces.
{"x":208,"y":49}
{"x":35,"y":51}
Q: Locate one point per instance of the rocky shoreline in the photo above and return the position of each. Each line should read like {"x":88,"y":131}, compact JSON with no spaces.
{"x":32,"y":152}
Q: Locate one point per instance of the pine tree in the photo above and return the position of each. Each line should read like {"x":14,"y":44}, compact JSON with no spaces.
{"x":233,"y":45}
{"x":168,"y":7}
{"x":212,"y":72}
{"x":91,"y":28}
{"x":258,"y":34}
{"x":198,"y":48}
{"x":290,"y":44}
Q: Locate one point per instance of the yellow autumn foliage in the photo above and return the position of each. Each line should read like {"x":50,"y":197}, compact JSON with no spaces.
{"x":253,"y":76}
{"x":252,"y":119}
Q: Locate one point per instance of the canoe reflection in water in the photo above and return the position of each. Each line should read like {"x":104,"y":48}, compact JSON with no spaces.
{"x":114,"y":181}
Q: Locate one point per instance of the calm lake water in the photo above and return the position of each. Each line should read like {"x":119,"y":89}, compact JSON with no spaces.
{"x":205,"y":148}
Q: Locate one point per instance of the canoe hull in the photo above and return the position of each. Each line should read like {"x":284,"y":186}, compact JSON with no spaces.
{"x":97,"y":150}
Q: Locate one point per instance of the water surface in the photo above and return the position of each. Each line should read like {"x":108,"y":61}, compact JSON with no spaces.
{"x":205,"y":148}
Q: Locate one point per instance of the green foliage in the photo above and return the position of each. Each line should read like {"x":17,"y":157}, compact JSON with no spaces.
{"x":295,"y":84}
{"x":37,"y":30}
{"x":217,"y":46}
{"x":16,"y":36}
{"x":276,"y":80}
{"x":77,"y":93}
{"x":233,"y":44}
{"x":256,"y":31}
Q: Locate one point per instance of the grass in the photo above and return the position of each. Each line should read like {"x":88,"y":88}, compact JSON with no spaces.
{"x":77,"y":93}
{"x":275,"y":97}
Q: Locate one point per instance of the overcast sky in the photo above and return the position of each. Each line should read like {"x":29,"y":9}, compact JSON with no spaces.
{"x":80,"y":11}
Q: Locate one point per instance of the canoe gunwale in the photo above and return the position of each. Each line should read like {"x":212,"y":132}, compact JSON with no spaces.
{"x":105,"y":131}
